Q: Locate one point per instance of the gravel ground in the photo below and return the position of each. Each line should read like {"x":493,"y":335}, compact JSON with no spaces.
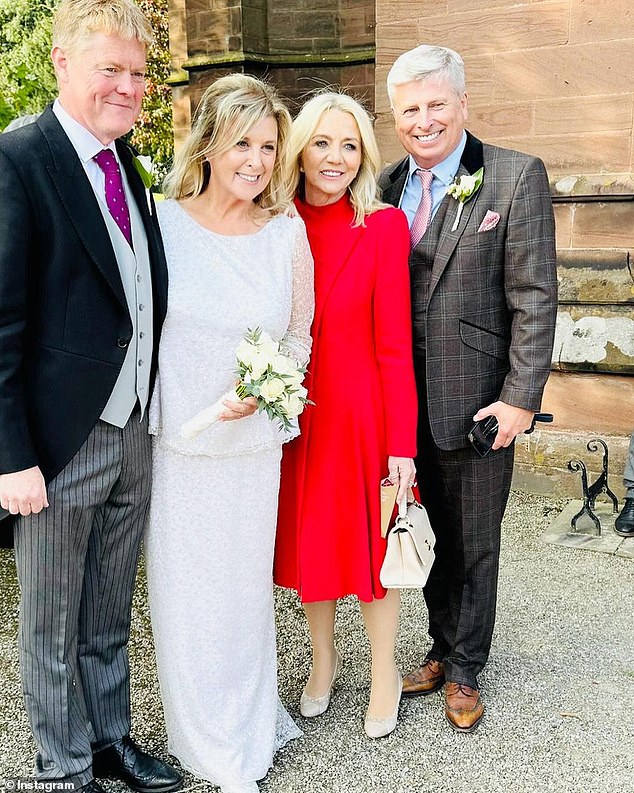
{"x":559,"y":685}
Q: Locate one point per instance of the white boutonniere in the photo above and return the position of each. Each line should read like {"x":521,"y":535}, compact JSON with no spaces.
{"x":145,"y":168}
{"x":463,"y":190}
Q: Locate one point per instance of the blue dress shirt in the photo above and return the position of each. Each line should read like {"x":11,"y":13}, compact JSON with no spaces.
{"x":444,"y":174}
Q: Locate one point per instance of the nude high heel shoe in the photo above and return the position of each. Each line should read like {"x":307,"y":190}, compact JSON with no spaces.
{"x":379,"y":728}
{"x":310,"y":707}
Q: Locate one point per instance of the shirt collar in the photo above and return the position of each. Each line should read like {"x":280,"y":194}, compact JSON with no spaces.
{"x":446,"y":170}
{"x":84,"y":142}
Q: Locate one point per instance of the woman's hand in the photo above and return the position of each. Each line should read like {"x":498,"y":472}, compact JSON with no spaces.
{"x":238,"y":410}
{"x":402,"y":472}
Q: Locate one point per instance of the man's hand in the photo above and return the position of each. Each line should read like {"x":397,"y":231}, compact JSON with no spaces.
{"x":511,"y":420}
{"x":23,"y":492}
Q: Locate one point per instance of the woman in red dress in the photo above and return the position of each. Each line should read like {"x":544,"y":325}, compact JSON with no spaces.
{"x":363,"y":424}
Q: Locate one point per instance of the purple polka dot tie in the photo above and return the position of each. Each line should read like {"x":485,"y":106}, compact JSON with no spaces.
{"x":115,"y":196}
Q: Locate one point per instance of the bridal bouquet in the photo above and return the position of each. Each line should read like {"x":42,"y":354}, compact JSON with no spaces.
{"x":263,"y":372}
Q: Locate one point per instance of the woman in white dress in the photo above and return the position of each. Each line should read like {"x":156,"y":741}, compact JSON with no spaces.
{"x":235,"y":262}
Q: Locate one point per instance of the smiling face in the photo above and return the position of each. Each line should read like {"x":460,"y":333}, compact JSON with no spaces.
{"x":243,"y":171}
{"x":332,"y":158}
{"x":101,"y":84}
{"x":430,"y":118}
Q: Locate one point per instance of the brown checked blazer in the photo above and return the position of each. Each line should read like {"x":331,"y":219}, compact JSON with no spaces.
{"x":492,"y":295}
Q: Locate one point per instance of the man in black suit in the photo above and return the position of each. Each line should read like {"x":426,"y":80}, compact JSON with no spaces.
{"x":484,"y":303}
{"x":83,"y":287}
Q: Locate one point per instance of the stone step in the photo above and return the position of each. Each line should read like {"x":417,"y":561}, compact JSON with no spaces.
{"x":585,"y":406}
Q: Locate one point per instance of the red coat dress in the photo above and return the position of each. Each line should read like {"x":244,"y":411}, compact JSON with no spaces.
{"x":361,"y":379}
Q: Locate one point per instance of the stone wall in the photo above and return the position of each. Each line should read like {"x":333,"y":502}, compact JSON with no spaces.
{"x":551,"y":77}
{"x":554,"y":78}
{"x":299,"y":46}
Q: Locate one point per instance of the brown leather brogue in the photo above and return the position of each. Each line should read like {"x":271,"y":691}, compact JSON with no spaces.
{"x":425,"y":680}
{"x":464,"y":708}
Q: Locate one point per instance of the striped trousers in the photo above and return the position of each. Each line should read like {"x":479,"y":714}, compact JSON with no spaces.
{"x":76,"y":564}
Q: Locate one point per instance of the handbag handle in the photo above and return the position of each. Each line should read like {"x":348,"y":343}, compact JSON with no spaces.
{"x":410,"y":498}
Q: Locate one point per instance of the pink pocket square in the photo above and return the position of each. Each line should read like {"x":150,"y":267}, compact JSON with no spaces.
{"x":491,"y":219}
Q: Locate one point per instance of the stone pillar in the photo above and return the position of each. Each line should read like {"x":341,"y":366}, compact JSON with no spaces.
{"x":299,"y":45}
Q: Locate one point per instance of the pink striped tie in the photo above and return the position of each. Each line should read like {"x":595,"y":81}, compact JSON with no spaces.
{"x":115,"y":197}
{"x":423,"y":213}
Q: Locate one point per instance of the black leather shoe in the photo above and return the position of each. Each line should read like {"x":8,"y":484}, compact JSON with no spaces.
{"x":139,"y":770}
{"x":624,"y":524}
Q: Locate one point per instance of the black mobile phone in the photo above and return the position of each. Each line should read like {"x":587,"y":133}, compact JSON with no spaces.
{"x":483,"y":432}
{"x":482,"y":435}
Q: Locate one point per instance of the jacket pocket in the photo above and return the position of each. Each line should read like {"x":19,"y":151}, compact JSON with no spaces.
{"x":483,"y":340}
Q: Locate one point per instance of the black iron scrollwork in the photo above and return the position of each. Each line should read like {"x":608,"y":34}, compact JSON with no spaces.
{"x":600,"y":485}
{"x":586,"y":509}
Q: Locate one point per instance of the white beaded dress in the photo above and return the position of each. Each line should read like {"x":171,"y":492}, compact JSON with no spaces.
{"x":210,"y":538}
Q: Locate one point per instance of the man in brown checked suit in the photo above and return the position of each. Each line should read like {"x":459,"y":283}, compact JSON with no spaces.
{"x":484,"y":300}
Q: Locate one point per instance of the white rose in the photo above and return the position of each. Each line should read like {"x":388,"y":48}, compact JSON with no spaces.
{"x":246,"y":352}
{"x":146,"y":162}
{"x":272,"y":389}
{"x":258,"y":365}
{"x":282,"y":364}
{"x":294,"y":380}
{"x":288,"y":367}
{"x":292,"y":405}
{"x":300,"y":391}
{"x":270,"y":350}
{"x":467,"y":184}
{"x":267,"y":346}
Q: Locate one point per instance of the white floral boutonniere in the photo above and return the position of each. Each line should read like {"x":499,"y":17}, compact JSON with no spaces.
{"x":463,"y":190}
{"x":145,"y":168}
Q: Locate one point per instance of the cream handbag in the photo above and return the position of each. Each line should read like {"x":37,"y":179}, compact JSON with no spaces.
{"x":410,"y":547}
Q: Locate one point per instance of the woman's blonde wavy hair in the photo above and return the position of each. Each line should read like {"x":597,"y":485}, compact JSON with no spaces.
{"x":364,"y":193}
{"x":227,"y":111}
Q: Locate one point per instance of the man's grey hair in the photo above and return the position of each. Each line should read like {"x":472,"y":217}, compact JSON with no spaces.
{"x":427,"y":61}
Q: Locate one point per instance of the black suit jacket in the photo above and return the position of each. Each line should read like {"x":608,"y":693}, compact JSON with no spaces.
{"x":64,"y":321}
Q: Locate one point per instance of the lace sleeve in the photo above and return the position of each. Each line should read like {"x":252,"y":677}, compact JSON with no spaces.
{"x":297,"y":341}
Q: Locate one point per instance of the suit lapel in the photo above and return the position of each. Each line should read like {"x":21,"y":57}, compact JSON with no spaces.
{"x":397,"y":177}
{"x":79,"y":201}
{"x":470,"y":162}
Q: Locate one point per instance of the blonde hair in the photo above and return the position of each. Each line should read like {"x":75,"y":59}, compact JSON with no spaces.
{"x":363,"y":188}
{"x":227,"y":111}
{"x":75,"y":20}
